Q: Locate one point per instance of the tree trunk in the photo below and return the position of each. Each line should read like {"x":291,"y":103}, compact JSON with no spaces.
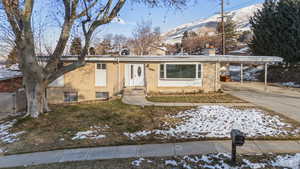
{"x":36,"y":97}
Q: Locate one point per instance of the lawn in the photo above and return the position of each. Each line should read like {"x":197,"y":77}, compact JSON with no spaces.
{"x":197,"y":98}
{"x":115,"y":123}
{"x":220,"y":160}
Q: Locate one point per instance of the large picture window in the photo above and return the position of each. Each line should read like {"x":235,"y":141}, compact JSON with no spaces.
{"x":180,"y":71}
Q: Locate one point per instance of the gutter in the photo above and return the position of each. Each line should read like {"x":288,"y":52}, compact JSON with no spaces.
{"x":189,"y":58}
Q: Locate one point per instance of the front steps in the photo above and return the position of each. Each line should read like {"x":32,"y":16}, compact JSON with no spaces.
{"x":134,"y":91}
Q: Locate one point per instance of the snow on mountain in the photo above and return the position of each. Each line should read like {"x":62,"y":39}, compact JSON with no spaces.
{"x":208,"y":25}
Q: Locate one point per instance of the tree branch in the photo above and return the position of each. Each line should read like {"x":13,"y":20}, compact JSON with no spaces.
{"x":87,"y":8}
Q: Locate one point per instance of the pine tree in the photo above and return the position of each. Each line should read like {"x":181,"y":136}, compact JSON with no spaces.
{"x":231,"y":34}
{"x":76,"y":46}
{"x":188,"y":40}
{"x":184,"y":41}
{"x":276,"y":29}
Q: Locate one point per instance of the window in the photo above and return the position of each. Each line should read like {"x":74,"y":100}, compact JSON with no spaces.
{"x":71,"y":96}
{"x":199,"y":71}
{"x":180,"y":71}
{"x":162,"y":71}
{"x":102,"y":95}
{"x":101,"y":66}
{"x":139,"y":71}
{"x":131,"y":71}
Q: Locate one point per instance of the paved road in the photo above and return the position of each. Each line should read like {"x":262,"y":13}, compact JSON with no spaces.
{"x":281,"y":100}
{"x":147,"y":150}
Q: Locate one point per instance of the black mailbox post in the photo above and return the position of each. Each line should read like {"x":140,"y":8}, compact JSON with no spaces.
{"x":238,"y":139}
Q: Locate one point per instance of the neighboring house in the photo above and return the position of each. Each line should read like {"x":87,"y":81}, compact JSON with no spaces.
{"x":12,"y":95}
{"x":105,"y":76}
{"x":158,"y":51}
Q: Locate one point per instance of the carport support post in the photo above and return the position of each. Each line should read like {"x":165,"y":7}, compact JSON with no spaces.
{"x":242,"y":74}
{"x":266,"y":76}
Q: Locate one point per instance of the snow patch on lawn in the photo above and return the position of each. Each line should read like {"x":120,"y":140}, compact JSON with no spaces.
{"x":93,"y":133}
{"x":171,"y":162}
{"x":139,"y":161}
{"x":253,"y":165}
{"x":5,"y":135}
{"x":218,"y":121}
{"x":291,"y":161}
{"x":221,"y":160}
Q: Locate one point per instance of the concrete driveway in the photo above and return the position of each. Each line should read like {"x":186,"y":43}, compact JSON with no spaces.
{"x":282,"y":100}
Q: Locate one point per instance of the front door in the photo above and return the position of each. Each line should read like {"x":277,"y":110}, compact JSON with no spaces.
{"x":134,"y":75}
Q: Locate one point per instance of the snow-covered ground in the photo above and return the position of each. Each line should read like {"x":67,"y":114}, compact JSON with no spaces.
{"x":221,"y":161}
{"x":208,"y":25}
{"x":244,"y":50}
{"x":5,"y":135}
{"x":218,"y":121}
{"x":250,"y":73}
{"x":9,"y":72}
{"x":139,"y":161}
{"x":290,"y":84}
{"x":95,"y":132}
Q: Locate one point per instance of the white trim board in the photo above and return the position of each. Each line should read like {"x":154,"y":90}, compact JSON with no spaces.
{"x":190,"y":82}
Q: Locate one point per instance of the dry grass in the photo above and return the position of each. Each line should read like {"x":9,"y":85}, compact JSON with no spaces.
{"x":55,"y":129}
{"x":47,"y":132}
{"x":197,"y":98}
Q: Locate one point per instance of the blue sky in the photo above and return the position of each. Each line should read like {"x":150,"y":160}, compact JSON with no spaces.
{"x":169,"y":18}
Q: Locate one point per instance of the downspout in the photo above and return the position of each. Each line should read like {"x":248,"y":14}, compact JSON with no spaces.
{"x":266,"y":77}
{"x":145,"y":78}
{"x":216,"y":73}
{"x":119,"y":87}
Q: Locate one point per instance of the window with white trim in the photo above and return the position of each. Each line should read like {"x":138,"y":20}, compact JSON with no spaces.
{"x":101,"y":66}
{"x":180,"y":71}
{"x":102,"y":95}
{"x":70,"y":96}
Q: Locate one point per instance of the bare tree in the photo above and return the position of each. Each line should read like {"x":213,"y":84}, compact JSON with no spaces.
{"x":119,"y":42}
{"x":105,"y":46}
{"x":7,"y":38}
{"x":145,"y":38}
{"x":89,"y":14}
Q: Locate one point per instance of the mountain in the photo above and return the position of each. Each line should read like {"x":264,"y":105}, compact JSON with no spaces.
{"x":208,"y":25}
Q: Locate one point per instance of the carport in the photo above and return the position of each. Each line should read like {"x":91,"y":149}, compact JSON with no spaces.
{"x":244,"y":60}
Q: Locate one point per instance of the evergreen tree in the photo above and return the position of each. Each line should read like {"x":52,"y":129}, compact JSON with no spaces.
{"x":276,"y":29}
{"x":231,"y":34}
{"x":184,"y":41}
{"x":188,"y":41}
{"x":76,"y":46}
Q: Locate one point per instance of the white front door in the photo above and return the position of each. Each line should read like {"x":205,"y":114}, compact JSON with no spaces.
{"x":134,"y":75}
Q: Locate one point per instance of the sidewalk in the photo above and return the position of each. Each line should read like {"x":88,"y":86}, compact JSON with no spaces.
{"x":142,"y":101}
{"x":148,"y":150}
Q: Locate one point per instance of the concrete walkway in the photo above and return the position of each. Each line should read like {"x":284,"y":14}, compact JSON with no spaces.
{"x":148,"y":150}
{"x":142,"y":101}
{"x":282,"y":100}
